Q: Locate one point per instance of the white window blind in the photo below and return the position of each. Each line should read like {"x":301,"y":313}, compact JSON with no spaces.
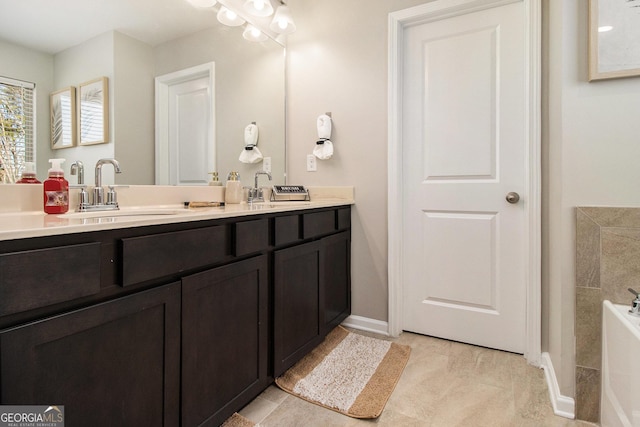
{"x":17,"y":120}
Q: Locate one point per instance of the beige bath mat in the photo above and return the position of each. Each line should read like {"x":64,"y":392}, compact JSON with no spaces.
{"x":237,"y":420}
{"x":348,"y":373}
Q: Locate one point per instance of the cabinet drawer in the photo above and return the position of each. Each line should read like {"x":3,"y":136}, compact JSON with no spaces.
{"x":287,"y":229}
{"x":344,"y":218}
{"x":318,"y":223}
{"x":150,"y":257}
{"x":251,"y":236}
{"x":38,"y":278}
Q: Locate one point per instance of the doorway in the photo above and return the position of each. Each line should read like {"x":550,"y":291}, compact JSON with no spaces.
{"x":464,"y":123}
{"x":185,"y":126}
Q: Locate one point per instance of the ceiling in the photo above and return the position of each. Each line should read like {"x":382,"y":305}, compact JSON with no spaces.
{"x":54,"y":25}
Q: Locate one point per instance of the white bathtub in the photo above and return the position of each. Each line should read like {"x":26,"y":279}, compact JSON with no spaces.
{"x":620,"y":396}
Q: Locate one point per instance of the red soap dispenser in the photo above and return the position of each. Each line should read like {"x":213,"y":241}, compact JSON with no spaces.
{"x":29,"y":174}
{"x":56,"y":189}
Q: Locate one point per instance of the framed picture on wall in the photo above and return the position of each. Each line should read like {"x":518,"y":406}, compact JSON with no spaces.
{"x":63,"y":118}
{"x":614,"y":39}
{"x":94,"y":111}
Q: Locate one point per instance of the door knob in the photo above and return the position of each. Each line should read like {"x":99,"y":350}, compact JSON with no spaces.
{"x":513,"y":197}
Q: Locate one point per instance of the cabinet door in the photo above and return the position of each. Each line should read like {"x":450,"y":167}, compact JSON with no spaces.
{"x":224,"y":340}
{"x":297,"y":328}
{"x":336,"y":280}
{"x":116,"y":363}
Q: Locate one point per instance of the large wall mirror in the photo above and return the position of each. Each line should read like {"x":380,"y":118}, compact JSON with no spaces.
{"x":66,"y":43}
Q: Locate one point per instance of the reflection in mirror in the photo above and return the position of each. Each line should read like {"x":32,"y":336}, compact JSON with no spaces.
{"x":63,"y":118}
{"x":94,"y":106}
{"x":249,"y":80}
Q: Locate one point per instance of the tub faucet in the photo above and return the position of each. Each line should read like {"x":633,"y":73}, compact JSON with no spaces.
{"x":635,"y":304}
{"x":98,"y":191}
{"x":255,"y":193}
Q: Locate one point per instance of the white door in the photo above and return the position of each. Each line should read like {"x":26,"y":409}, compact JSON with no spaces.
{"x":464,"y":134}
{"x":185,"y":126}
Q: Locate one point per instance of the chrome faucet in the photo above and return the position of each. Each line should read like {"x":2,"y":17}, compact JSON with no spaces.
{"x":77,"y":167}
{"x":98,"y":203}
{"x":255,"y":193}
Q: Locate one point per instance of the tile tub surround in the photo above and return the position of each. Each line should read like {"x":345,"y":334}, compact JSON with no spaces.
{"x":607,"y":263}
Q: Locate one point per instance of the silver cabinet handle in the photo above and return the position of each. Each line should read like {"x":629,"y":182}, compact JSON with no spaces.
{"x":513,"y":197}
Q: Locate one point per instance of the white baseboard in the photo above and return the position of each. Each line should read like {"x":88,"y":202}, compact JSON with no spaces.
{"x":563,"y":406}
{"x":366,"y":324}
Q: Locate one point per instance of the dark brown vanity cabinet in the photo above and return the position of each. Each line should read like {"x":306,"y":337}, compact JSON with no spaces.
{"x":336,"y":280}
{"x":168,"y":325}
{"x":225,"y":331}
{"x":312,"y":295}
{"x":115,"y":363}
{"x":296,"y":304}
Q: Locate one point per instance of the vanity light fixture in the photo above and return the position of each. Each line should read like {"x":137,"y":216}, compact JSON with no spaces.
{"x":203,"y":3}
{"x":283,"y":21}
{"x":253,"y":34}
{"x":229,"y":17}
{"x":258,"y":7}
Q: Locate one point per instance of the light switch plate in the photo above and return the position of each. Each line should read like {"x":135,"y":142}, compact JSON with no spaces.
{"x":266,"y":164}
{"x":311,"y":163}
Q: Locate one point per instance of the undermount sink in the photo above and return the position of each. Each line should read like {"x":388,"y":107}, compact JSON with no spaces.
{"x":124,"y":213}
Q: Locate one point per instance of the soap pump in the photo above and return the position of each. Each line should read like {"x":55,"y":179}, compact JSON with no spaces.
{"x":214,"y":179}
{"x":233,"y":192}
{"x":56,"y":189}
{"x":28,"y":174}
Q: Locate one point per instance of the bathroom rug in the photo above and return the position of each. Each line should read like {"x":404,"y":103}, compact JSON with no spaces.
{"x":237,"y":420}
{"x":348,"y":373}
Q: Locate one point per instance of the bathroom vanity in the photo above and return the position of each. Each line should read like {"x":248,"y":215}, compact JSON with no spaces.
{"x":169,"y":321}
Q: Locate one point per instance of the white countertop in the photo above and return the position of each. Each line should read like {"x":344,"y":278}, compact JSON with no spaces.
{"x":30,"y":223}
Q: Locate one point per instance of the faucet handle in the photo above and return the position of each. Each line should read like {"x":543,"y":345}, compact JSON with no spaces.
{"x":112,"y":196}
{"x":83,"y":201}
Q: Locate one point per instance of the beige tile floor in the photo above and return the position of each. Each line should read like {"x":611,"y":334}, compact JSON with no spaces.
{"x":445,"y":384}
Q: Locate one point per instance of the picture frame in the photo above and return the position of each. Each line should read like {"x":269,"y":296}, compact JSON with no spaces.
{"x":93,"y":99}
{"x":62,"y":105}
{"x":614,"y":42}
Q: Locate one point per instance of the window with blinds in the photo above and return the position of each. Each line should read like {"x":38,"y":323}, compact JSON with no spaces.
{"x":17,"y":121}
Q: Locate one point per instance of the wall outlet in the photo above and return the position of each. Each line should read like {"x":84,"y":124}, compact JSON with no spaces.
{"x":266,"y":164}
{"x":311,"y":163}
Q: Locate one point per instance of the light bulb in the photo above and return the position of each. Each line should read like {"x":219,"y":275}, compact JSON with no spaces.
{"x":253,"y":34}
{"x":229,"y":17}
{"x":258,"y":7}
{"x":282,"y":22}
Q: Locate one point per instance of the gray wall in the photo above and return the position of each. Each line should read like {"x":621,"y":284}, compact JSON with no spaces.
{"x":337,"y":62}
